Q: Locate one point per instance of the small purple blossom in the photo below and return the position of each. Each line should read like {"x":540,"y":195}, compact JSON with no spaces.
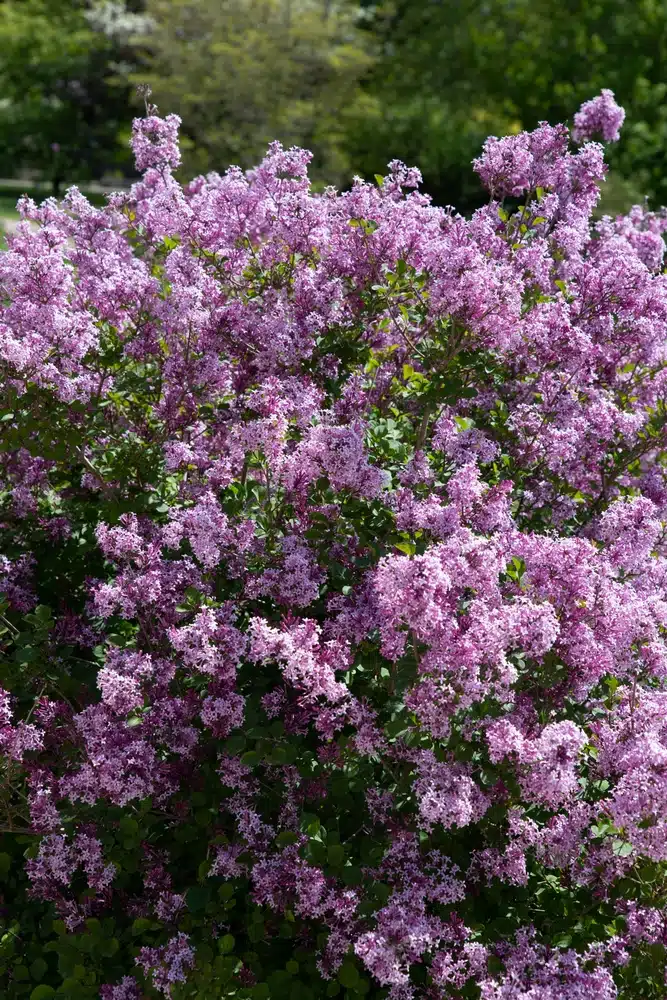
{"x":600,"y":116}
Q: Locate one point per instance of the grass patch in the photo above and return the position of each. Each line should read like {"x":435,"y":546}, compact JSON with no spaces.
{"x":8,"y":206}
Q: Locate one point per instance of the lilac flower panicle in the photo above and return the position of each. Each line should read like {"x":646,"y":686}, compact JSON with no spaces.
{"x":599,"y":116}
{"x":155,"y":142}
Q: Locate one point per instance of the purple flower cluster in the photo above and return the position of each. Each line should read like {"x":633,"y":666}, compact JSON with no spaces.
{"x":358,"y":510}
{"x":601,"y":116}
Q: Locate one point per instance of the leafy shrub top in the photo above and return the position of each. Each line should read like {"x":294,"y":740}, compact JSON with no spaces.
{"x":333,"y":559}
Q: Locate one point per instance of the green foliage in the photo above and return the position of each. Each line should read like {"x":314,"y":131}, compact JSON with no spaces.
{"x":63,"y":99}
{"x":357,"y":85}
{"x":451,"y":73}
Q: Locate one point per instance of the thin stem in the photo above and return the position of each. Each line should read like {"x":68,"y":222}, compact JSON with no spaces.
{"x":89,"y":465}
{"x":423,"y":427}
{"x":35,"y":702}
{"x":12,"y":628}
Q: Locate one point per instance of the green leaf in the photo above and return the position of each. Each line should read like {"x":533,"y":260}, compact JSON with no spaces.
{"x":128,"y":826}
{"x":42,"y":992}
{"x":348,"y":975}
{"x":336,"y":855}
{"x":562,"y":941}
{"x":310,"y":824}
{"x":279,"y":983}
{"x":278,"y":756}
{"x":235,"y":743}
{"x":71,"y":988}
{"x":286,"y":837}
{"x":396,"y":727}
{"x":226,"y":943}
{"x":38,"y":968}
{"x":300,"y":991}
{"x":5,"y":865}
{"x":351,"y":875}
{"x":198,"y":897}
{"x":108,"y":948}
{"x":622,"y":848}
{"x":27,"y":654}
{"x":256,"y":932}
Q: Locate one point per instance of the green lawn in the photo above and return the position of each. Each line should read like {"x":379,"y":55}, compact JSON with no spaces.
{"x":7,"y":213}
{"x":8,"y":206}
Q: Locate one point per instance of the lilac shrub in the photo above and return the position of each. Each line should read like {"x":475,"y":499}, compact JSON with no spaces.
{"x":334,"y":568}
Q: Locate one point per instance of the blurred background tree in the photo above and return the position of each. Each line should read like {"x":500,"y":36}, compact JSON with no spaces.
{"x":64,"y":87}
{"x":451,"y":71}
{"x":244,"y":72}
{"x":357,"y":82}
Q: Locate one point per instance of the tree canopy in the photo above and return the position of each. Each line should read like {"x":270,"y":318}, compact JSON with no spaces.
{"x":242,"y":73}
